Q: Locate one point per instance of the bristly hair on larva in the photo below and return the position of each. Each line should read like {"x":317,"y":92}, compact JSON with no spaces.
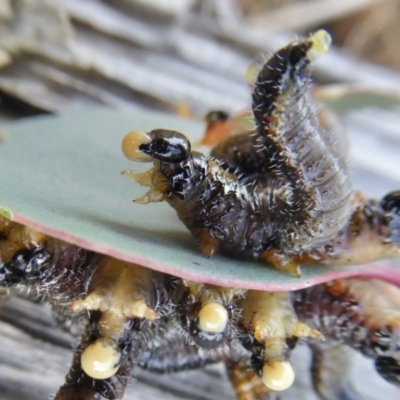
{"x":279,"y":193}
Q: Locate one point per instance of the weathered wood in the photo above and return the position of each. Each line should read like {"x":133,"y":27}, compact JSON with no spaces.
{"x":70,"y":53}
{"x":35,"y":354}
{"x":306,"y":15}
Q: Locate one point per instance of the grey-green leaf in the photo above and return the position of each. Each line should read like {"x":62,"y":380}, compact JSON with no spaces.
{"x":61,"y":175}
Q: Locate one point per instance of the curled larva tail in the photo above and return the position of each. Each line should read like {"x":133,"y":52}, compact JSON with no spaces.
{"x":303,"y":160}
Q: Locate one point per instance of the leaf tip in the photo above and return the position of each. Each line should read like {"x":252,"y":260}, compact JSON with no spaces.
{"x":5,"y":213}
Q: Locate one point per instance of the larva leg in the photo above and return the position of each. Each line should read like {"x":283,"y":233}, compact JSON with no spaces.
{"x":208,"y":243}
{"x":79,"y":385}
{"x":296,"y":208}
{"x":269,"y":329}
{"x":363,"y":314}
{"x":247,"y":385}
{"x":217,"y":127}
{"x":329,"y":372}
{"x":281,"y":261}
{"x":122,"y":301}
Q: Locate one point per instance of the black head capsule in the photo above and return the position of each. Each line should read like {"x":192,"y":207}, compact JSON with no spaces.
{"x":25,"y":267}
{"x":390,"y":204}
{"x":216,"y":116}
{"x":389,"y":368}
{"x":160,"y":144}
{"x":167,"y":146}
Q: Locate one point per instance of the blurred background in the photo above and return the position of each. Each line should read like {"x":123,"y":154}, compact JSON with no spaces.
{"x":186,"y":57}
{"x":56,"y":55}
{"x":189,"y":56}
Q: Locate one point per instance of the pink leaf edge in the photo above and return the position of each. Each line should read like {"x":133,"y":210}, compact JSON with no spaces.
{"x":381,"y":270}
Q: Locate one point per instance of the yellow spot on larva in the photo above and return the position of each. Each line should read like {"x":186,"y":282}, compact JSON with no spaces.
{"x":321,"y":41}
{"x":278,"y":375}
{"x":100,"y":360}
{"x":213,"y":318}
{"x":131,"y":143}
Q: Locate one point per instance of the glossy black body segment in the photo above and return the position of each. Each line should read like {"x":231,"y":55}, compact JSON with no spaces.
{"x":284,"y":186}
{"x":346,"y":313}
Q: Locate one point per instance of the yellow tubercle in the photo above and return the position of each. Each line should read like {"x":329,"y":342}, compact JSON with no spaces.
{"x":213,"y":317}
{"x":278,"y":375}
{"x":252,"y":72}
{"x":100,"y":360}
{"x":321,"y":42}
{"x":131,"y":143}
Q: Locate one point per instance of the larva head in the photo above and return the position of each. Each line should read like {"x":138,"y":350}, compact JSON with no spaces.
{"x":390,"y":204}
{"x":177,"y":171}
{"x":100,"y":360}
{"x":216,"y":116}
{"x":389,"y":369}
{"x":160,"y":144}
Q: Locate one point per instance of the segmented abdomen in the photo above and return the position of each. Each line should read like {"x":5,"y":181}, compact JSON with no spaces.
{"x":298,"y":162}
{"x":305,"y":159}
{"x":361,"y":313}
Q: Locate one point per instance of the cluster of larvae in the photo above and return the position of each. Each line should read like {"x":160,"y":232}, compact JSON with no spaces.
{"x":279,"y":193}
{"x":133,"y":317}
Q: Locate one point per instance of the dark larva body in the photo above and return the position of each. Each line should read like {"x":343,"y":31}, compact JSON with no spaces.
{"x":290,"y":149}
{"x":280,"y":193}
{"x":156,"y":321}
{"x":296,"y":191}
{"x":227,"y":210}
{"x":283,"y":188}
{"x":354,"y":312}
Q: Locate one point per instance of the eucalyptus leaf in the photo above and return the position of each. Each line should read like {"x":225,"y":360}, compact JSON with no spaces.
{"x":61,"y":175}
